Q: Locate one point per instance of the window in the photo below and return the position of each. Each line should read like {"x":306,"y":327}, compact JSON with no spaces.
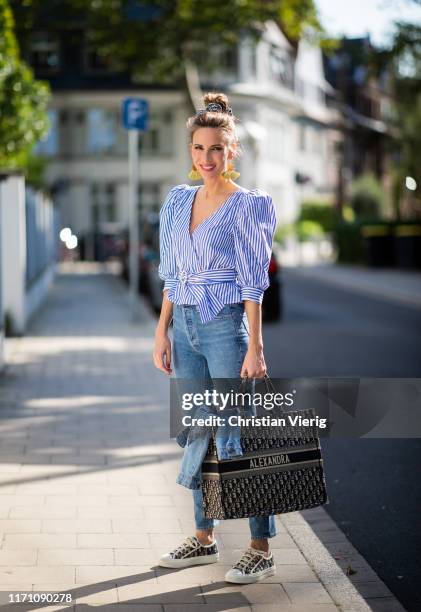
{"x":103,"y":203}
{"x":49,"y":144}
{"x":302,"y":137}
{"x":277,"y":140}
{"x":44,"y":52}
{"x":149,"y":197}
{"x":228,"y":58}
{"x":281,"y":66}
{"x":317,"y":136}
{"x":94,"y":63}
{"x":159,"y":138}
{"x":101,"y":131}
{"x":149,"y":141}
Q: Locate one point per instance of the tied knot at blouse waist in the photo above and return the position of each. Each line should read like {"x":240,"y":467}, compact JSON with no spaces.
{"x":206,"y":277}
{"x":193,"y":285}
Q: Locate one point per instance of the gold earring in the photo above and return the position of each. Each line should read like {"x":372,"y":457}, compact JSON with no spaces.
{"x":194,"y":174}
{"x":230,"y":173}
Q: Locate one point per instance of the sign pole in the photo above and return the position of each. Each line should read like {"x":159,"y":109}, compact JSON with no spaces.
{"x":135,"y":112}
{"x":134,"y":220}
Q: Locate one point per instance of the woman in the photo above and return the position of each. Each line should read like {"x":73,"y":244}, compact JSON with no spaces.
{"x":215,"y":243}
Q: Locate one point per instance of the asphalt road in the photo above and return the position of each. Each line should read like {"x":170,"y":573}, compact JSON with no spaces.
{"x":374,"y":486}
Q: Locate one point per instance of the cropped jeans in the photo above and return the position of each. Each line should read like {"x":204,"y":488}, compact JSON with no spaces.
{"x":208,"y":351}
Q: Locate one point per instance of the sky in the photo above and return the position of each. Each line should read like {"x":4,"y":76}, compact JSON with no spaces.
{"x":354,"y":18}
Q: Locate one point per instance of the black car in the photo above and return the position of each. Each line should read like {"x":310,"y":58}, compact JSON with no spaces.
{"x":272,"y":298}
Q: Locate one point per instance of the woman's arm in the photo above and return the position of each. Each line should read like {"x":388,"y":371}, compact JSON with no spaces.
{"x":162,"y":346}
{"x":254,"y":365}
{"x":253,"y":236}
{"x":167,"y":271}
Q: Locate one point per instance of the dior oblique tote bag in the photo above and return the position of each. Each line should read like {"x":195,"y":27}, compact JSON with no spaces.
{"x":281,"y":470}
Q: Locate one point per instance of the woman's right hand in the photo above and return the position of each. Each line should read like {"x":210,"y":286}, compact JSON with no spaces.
{"x":162,"y":352}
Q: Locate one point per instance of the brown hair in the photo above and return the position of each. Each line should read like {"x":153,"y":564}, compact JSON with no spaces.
{"x":224,"y":119}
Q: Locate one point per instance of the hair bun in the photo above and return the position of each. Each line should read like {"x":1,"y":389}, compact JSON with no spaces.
{"x":220,"y":101}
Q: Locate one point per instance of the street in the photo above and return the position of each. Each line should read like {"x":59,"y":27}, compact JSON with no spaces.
{"x":374,"y":492}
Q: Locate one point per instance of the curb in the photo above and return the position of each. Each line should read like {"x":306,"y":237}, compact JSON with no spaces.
{"x":345,"y":593}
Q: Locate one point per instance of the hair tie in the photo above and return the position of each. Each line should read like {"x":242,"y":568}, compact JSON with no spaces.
{"x":214,"y":107}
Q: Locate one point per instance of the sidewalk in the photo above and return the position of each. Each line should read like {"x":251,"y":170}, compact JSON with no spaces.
{"x":399,"y":286}
{"x":88,"y":500}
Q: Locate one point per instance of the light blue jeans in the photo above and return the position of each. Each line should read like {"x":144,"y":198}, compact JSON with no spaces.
{"x":207,"y":351}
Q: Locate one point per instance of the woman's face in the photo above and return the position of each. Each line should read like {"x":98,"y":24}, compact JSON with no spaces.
{"x":210,"y":152}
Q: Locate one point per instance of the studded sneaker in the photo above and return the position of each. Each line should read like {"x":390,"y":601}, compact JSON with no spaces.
{"x":191,"y":552}
{"x":253,"y":566}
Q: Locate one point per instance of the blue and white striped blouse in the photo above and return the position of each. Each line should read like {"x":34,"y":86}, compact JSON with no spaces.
{"x":226,"y":257}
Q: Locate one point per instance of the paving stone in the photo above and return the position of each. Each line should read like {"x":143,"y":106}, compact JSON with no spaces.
{"x":80,"y":525}
{"x":11,"y":557}
{"x":113,"y":540}
{"x":20,"y":526}
{"x":75,"y":500}
{"x":152,"y":593}
{"x":11,"y":574}
{"x":222,"y":602}
{"x":146,"y":525}
{"x":75,"y":556}
{"x":39,"y":540}
{"x":263,"y":593}
{"x":6,"y":501}
{"x":136,"y":556}
{"x":307,"y":593}
{"x":42,"y":511}
{"x":122,"y":607}
{"x":294,"y":608}
{"x":111,"y":512}
{"x":100,"y":573}
{"x":164,"y":512}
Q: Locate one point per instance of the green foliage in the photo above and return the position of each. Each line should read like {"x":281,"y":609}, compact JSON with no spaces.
{"x":321,"y":212}
{"x":349,"y":242}
{"x":306,"y":230}
{"x":151,"y":40}
{"x":347,"y":214}
{"x":367,"y":197}
{"x":402,"y":63}
{"x":34,"y":171}
{"x":283,"y":232}
{"x":23,"y":100}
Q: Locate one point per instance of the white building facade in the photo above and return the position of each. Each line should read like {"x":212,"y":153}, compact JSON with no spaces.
{"x":286,"y":131}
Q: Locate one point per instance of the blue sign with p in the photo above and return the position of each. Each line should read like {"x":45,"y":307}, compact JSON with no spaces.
{"x":135,"y":114}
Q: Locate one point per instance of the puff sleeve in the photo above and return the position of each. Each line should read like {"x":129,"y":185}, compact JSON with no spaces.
{"x":253,"y":235}
{"x":167,"y":269}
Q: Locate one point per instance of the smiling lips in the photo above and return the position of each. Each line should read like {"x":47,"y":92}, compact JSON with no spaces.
{"x":208,"y":168}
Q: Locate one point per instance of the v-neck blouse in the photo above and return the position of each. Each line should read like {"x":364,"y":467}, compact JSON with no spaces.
{"x":226,"y":257}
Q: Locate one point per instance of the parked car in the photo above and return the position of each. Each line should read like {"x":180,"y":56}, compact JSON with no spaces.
{"x":150,"y":285}
{"x":272,"y":306}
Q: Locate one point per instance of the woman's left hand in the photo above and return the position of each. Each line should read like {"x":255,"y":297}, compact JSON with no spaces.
{"x":254,"y":365}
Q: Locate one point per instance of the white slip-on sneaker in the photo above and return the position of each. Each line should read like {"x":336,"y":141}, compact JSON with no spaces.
{"x":253,"y":566}
{"x":191,"y":552}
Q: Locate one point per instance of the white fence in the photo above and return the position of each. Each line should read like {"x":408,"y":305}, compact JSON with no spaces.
{"x":29,"y":227}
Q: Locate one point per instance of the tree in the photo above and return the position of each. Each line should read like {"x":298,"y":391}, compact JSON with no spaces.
{"x":23,"y":100}
{"x":403,"y":63}
{"x":164,"y":41}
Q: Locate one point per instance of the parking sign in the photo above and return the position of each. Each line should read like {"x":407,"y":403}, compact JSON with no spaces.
{"x":135,"y":114}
